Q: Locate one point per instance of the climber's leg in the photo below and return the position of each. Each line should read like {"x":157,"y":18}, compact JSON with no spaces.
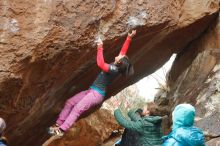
{"x":91,"y":99}
{"x":70,"y":103}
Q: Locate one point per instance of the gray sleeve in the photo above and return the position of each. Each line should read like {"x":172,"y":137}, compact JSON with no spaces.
{"x":113,"y":68}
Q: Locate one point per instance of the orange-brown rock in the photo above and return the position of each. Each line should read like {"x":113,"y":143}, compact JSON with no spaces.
{"x":194,"y":78}
{"x":48,"y":51}
{"x":92,"y":131}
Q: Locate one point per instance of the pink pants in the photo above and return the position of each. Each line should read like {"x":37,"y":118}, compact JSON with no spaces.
{"x":77,"y":105}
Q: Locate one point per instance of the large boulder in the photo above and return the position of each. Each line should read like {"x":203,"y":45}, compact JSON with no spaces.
{"x":48,"y":53}
{"x":194,"y":78}
{"x":213,"y":142}
{"x":93,"y":130}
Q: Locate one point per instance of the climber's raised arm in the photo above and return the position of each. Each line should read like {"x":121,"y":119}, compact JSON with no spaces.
{"x":100,"y":59}
{"x":127,"y":42}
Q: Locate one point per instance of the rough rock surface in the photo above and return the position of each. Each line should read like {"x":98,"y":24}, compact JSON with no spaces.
{"x":90,"y":131}
{"x":48,"y":51}
{"x":194,"y":78}
{"x":213,"y":142}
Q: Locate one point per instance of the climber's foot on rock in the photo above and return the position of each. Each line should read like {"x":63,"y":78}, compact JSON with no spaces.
{"x":56,"y":132}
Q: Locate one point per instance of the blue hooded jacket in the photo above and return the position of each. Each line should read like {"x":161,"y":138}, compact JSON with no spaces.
{"x":183,"y":132}
{"x":2,"y":143}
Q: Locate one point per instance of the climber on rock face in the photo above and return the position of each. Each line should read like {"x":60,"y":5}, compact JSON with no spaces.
{"x":3,"y":140}
{"x":95,"y":95}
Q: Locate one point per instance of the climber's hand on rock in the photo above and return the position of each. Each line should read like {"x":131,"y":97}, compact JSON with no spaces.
{"x":115,"y":102}
{"x":132,"y":34}
{"x":99,"y":43}
{"x":126,"y":104}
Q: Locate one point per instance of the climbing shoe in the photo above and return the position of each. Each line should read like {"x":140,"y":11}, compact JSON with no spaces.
{"x":58,"y":132}
{"x":55,"y":131}
{"x":51,"y":129}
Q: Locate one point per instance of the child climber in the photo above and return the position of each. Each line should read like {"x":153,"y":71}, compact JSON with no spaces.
{"x":85,"y":100}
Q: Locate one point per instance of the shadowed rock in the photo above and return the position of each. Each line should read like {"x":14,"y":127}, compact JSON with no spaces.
{"x":48,"y":51}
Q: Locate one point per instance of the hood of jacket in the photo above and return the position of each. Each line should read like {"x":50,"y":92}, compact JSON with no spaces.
{"x":183,"y":116}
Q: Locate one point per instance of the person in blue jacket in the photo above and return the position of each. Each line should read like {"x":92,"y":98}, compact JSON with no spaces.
{"x":3,"y":141}
{"x":183,"y":132}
